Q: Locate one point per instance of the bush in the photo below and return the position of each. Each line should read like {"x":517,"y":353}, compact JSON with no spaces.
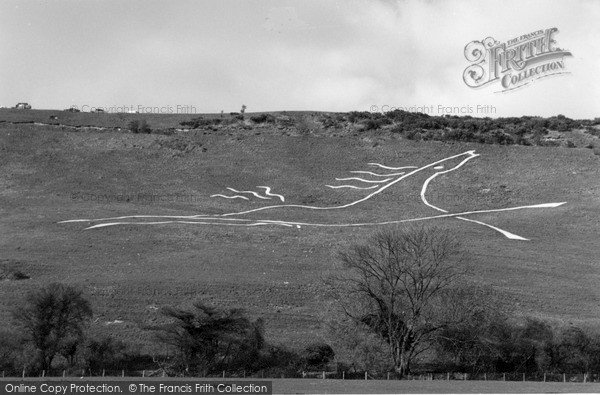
{"x":414,"y":135}
{"x":332,"y":122}
{"x":593,"y":131}
{"x":562,"y":124}
{"x":7,"y":272}
{"x":209,"y":339}
{"x":458,"y":135}
{"x":10,"y":350}
{"x":355,"y":116}
{"x":355,"y":344}
{"x":376,"y":123}
{"x":284,"y":120}
{"x":303,"y":127}
{"x":136,"y":126}
{"x":317,"y":355}
{"x":522,"y":141}
{"x":104,"y":353}
{"x":280,"y":358}
{"x":263,"y":118}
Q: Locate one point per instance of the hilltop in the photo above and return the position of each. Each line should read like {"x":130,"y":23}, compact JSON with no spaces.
{"x":526,"y":130}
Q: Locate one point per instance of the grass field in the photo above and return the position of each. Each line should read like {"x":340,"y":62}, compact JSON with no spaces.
{"x":48,"y":174}
{"x":302,"y":386}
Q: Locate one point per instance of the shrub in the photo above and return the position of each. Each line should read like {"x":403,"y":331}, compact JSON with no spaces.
{"x":105,"y":353}
{"x":281,"y":358}
{"x":303,"y":127}
{"x":200,"y":122}
{"x":355,"y":116}
{"x":413,"y":135}
{"x":355,"y":344}
{"x":370,"y":124}
{"x":376,"y":122}
{"x":211,"y":339}
{"x":562,"y":123}
{"x":522,"y":140}
{"x":10,"y":350}
{"x":593,"y":131}
{"x":262,"y":118}
{"x":335,"y":121}
{"x":144,"y":127}
{"x":136,"y":126}
{"x":521,"y":131}
{"x":398,"y":128}
{"x":329,"y":122}
{"x":8,"y":272}
{"x":285,"y":120}
{"x":317,"y":355}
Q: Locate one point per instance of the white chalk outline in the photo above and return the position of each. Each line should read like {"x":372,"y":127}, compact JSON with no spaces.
{"x":350,"y":186}
{"x":509,"y":235}
{"x":291,"y":223}
{"x":250,"y":192}
{"x":376,"y":174}
{"x":391,"y":168}
{"x":470,"y":154}
{"x":268,"y":193}
{"x":363,"y":180}
{"x":230,"y":197}
{"x":205,"y":219}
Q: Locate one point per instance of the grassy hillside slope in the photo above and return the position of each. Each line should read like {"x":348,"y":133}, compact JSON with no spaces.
{"x":49,"y":174}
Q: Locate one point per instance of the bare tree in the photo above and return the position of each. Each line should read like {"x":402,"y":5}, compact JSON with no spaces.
{"x":401,"y":285}
{"x":54,"y":316}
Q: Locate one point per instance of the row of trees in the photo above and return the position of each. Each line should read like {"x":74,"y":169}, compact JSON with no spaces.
{"x":499,"y":344}
{"x":402,"y":297}
{"x":53,"y":324}
{"x":407,"y":293}
{"x":202,"y":340}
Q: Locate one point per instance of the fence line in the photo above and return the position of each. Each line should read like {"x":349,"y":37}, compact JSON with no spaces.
{"x":325,"y":375}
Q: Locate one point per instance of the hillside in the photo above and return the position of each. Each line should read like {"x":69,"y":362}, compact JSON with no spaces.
{"x":53,"y":173}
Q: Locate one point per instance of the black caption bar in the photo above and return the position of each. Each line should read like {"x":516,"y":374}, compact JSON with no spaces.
{"x":175,"y":386}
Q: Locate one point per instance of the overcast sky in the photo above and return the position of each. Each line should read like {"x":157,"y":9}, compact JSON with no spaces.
{"x":287,"y":55}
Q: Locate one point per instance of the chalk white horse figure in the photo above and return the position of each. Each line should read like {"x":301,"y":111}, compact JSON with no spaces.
{"x":436,"y":169}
